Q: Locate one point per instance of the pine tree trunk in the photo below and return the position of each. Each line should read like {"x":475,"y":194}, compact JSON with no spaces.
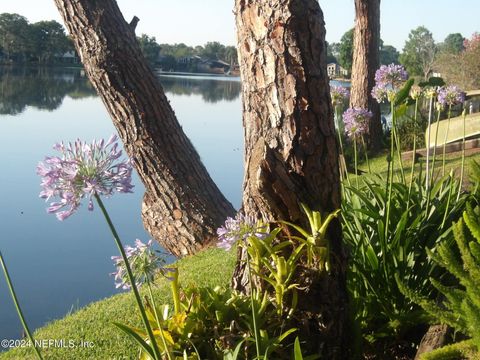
{"x":290,"y":146}
{"x":182,"y":206}
{"x":366,"y":44}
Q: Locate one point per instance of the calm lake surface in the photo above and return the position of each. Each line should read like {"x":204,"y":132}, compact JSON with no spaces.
{"x":56,"y":266}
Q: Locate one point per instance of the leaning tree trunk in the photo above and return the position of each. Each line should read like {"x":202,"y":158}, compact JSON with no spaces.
{"x":290,"y":146}
{"x":182,"y":205}
{"x":366,"y":43}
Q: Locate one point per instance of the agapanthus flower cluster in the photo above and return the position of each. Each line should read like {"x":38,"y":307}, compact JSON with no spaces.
{"x":339,"y":95}
{"x":416,"y":92}
{"x":143,"y":261}
{"x":450,"y":95}
{"x":81,"y":171}
{"x":239,"y":228}
{"x":379,"y":93}
{"x":388,"y":81}
{"x":430,"y":92}
{"x":394,"y":75}
{"x":356,"y":122}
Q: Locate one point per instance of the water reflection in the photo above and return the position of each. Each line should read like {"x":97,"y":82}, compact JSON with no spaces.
{"x":46,"y":88}
{"x":41,"y":88}
{"x":212,"y":90}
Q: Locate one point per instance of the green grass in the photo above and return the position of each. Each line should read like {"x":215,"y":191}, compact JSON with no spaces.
{"x":93,"y":323}
{"x":453,"y":161}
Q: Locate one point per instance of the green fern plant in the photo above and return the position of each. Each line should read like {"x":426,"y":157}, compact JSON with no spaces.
{"x":475,"y":177}
{"x":461,"y":307}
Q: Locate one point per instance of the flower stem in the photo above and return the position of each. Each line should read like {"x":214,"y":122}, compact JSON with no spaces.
{"x":356,"y":160}
{"x":159,"y":324}
{"x":17,"y":306}
{"x":445,"y":140}
{"x":434,"y":156}
{"x":252,"y":304}
{"x":462,"y":170}
{"x":339,"y":132}
{"x":390,"y":172}
{"x":450,"y":188}
{"x":397,"y":145}
{"x":430,"y":185}
{"x":131,"y":278}
{"x":366,"y":155}
{"x":412,"y":171}
{"x":427,"y":166}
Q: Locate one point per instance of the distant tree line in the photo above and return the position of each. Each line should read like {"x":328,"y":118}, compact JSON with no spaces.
{"x":458,"y":62}
{"x":342,"y":52}
{"x":455,"y":59}
{"x":46,"y":42}
{"x":175,"y":56}
{"x":42,"y":42}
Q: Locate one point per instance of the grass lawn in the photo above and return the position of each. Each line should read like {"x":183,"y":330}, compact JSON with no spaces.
{"x":93,"y":323}
{"x":453,"y":162}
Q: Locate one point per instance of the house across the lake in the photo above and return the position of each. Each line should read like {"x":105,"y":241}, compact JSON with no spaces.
{"x":334,"y":71}
{"x":69,"y":57}
{"x":214,"y":67}
{"x":197,"y":64}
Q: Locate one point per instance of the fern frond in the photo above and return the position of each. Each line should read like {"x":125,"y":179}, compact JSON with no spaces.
{"x":452,"y":352}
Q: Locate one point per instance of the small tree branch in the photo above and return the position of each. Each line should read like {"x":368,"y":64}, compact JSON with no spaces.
{"x":133,"y":23}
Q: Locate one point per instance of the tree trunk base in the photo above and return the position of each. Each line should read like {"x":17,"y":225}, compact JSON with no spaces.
{"x":435,"y":337}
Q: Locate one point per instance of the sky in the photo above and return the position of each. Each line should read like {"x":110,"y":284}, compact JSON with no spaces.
{"x":195,"y":22}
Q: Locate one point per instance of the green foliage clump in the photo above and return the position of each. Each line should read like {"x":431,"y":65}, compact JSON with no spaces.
{"x":39,"y":42}
{"x":345,"y":50}
{"x":462,"y":56}
{"x":460,"y":308}
{"x":218,"y":323}
{"x":411,"y":131}
{"x":419,"y":52}
{"x":380,"y":253}
{"x":432,"y":81}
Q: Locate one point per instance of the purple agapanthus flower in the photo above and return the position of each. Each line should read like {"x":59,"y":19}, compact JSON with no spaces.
{"x":143,"y":261}
{"x":356,"y":122}
{"x":379,"y":93}
{"x":450,"y":95}
{"x":239,"y":228}
{"x":388,"y":81}
{"x":81,"y":171}
{"x":393,"y":75}
{"x":339,"y":95}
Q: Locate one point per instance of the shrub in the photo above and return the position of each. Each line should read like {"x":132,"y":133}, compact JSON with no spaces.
{"x":460,"y":308}
{"x":220,"y":323}
{"x":381,"y":252}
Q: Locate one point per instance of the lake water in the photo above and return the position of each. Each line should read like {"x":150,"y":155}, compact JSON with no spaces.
{"x":58,"y":266}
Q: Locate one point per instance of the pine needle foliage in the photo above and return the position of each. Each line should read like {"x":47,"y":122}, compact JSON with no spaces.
{"x":460,"y":308}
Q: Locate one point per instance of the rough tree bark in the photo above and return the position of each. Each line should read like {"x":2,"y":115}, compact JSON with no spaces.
{"x":182,"y":206}
{"x":366,"y":45}
{"x":290,"y":146}
{"x":435,"y":337}
{"x":291,"y":153}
